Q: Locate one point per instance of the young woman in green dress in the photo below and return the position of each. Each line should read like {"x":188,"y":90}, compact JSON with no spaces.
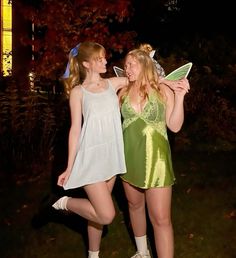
{"x":148,"y":107}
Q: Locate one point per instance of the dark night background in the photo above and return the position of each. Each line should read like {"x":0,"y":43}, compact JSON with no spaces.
{"x":207,"y":17}
{"x":169,"y":28}
{"x":34,"y":129}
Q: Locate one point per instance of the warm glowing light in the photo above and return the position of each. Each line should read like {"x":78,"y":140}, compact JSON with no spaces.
{"x":6,"y":37}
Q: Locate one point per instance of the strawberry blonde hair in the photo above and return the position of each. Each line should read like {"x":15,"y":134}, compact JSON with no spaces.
{"x":85,"y":51}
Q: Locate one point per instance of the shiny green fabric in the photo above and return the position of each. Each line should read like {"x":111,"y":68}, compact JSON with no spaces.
{"x":147,"y":150}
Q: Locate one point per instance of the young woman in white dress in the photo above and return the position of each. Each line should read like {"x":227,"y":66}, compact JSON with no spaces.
{"x":95,"y":144}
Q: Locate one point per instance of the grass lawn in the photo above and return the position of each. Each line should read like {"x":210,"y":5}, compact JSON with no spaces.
{"x":204,"y":215}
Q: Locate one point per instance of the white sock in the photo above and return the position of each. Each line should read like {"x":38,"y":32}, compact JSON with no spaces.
{"x":61,"y":203}
{"x":92,"y":254}
{"x":141,"y":243}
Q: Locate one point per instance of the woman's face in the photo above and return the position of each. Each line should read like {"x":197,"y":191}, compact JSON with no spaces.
{"x":98,"y":64}
{"x":132,"y":68}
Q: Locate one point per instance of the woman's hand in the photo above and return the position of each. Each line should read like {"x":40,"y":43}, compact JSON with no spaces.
{"x":178,"y":85}
{"x":63,"y":178}
{"x":182,"y":87}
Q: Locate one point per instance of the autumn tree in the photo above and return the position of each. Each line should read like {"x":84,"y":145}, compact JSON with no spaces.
{"x":60,"y":25}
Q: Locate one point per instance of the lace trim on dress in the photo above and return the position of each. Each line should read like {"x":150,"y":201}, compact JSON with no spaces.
{"x":151,"y":114}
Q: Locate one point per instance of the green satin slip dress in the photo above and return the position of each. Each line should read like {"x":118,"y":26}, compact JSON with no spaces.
{"x":146,"y":145}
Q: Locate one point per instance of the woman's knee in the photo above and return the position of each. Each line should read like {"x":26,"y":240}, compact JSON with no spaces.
{"x":161,"y":221}
{"x":107,"y":216}
{"x":136,"y":205}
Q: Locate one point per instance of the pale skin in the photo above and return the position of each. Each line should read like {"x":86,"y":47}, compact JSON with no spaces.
{"x":158,"y":200}
{"x":91,"y":208}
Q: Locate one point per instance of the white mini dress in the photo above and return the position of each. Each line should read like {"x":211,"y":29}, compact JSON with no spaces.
{"x":100,"y":150}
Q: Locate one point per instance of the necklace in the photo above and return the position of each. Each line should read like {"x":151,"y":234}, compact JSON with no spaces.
{"x":96,"y":84}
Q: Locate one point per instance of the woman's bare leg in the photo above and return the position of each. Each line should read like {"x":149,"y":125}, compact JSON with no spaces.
{"x":159,"y":209}
{"x":137,"y":213}
{"x":94,"y":236}
{"x":99,"y":206}
{"x":136,"y":204}
{"x":95,"y":230}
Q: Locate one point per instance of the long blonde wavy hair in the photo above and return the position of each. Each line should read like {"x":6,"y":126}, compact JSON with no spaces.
{"x":87,"y":51}
{"x":147,"y":76}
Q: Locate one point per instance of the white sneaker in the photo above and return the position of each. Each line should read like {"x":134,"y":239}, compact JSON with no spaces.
{"x":139,"y":255}
{"x":60,"y":204}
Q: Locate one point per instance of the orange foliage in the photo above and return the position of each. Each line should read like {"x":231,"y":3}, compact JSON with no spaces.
{"x":60,"y":25}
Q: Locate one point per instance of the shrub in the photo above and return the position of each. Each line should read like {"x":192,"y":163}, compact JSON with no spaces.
{"x":28,"y":128}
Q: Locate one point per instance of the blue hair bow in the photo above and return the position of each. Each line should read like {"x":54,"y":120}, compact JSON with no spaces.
{"x":74,"y":52}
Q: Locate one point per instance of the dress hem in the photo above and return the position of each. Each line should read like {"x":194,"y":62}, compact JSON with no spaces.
{"x":94,"y":182}
{"x":149,"y":187}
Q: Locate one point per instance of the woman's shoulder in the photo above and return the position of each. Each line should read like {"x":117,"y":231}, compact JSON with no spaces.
{"x":76,"y":91}
{"x":166,"y":89}
{"x":76,"y":88}
{"x":166,"y":92}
